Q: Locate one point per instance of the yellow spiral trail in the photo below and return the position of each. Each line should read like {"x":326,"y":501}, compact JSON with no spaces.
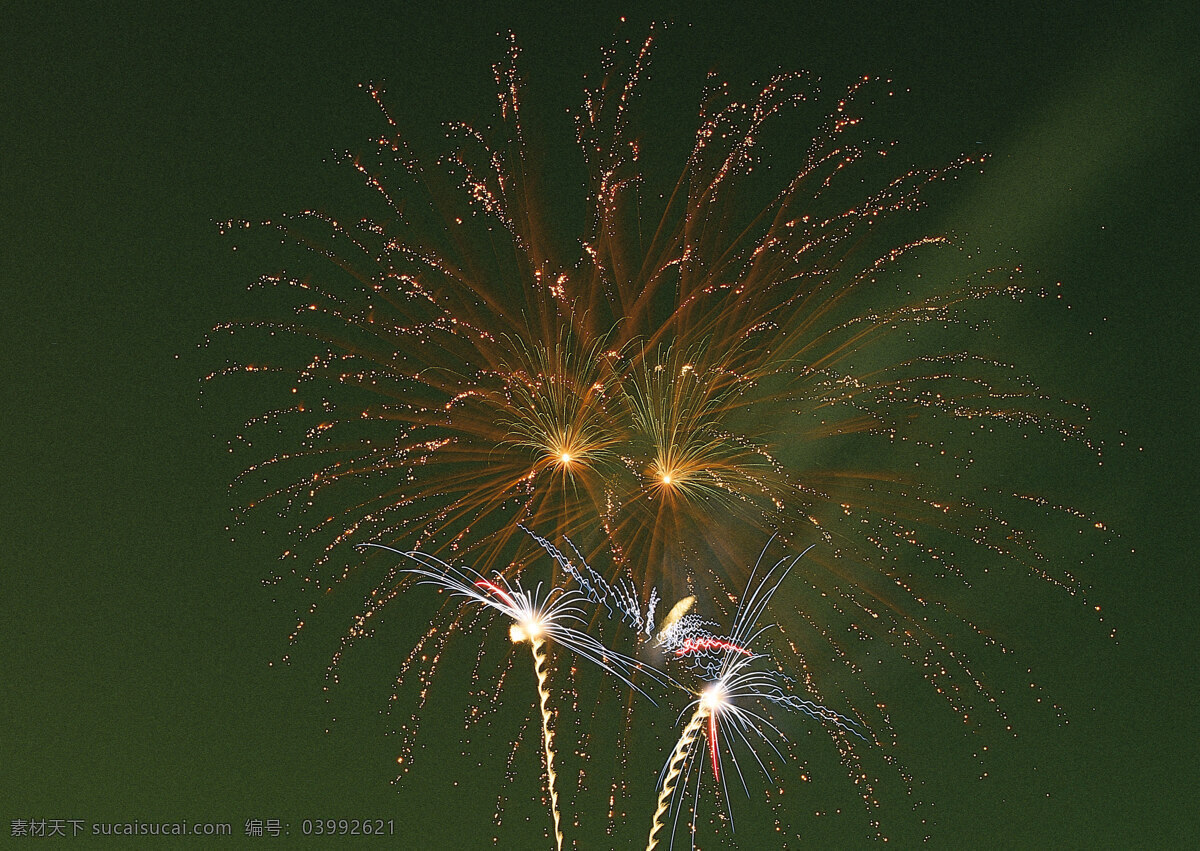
{"x":677,"y":757}
{"x":539,"y":667}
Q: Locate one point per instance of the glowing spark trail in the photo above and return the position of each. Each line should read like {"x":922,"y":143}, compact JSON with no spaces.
{"x":539,"y":666}
{"x":674,"y":767}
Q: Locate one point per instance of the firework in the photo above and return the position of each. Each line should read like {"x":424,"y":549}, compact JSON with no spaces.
{"x":735,"y":696}
{"x":557,"y":615}
{"x":695,"y":370}
{"x":648,"y":387}
{"x":536,"y":618}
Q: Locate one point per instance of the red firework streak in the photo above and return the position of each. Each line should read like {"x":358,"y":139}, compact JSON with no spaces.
{"x":493,"y":588}
{"x":712,"y":744}
{"x":696,"y":645}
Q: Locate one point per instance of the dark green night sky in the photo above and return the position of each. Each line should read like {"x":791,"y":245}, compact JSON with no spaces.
{"x":135,"y":636}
